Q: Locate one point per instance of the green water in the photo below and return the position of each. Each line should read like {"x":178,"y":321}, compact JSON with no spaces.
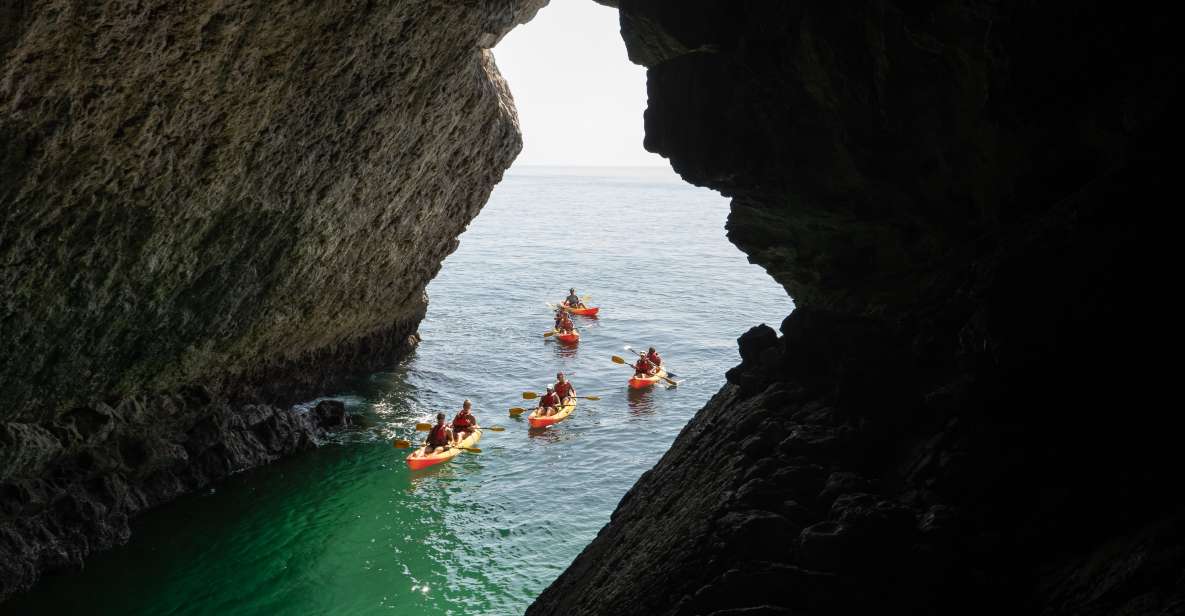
{"x":347,"y":529}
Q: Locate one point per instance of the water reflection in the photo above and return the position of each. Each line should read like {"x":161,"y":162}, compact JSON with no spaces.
{"x":641,"y":402}
{"x":565,"y":351}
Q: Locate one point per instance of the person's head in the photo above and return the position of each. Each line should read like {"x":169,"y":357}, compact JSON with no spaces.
{"x":440,"y":418}
{"x":651,"y":350}
{"x":550,"y":389}
{"x":572,"y":291}
{"x":467,"y":405}
{"x":559,"y":376}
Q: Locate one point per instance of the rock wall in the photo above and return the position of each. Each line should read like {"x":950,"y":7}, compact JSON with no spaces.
{"x":963,"y":414}
{"x":208,"y":211}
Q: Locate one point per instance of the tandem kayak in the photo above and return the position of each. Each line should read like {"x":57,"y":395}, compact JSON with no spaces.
{"x":586,"y":311}
{"x":638,"y":382}
{"x":543,"y":422}
{"x":416,"y":461}
{"x":570,"y":338}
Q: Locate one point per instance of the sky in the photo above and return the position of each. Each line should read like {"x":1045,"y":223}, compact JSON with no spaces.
{"x":579,"y":98}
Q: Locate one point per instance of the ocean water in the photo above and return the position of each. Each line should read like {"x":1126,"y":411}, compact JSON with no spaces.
{"x":348,"y":529}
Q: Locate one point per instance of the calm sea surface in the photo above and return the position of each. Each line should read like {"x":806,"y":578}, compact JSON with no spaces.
{"x":347,"y":529}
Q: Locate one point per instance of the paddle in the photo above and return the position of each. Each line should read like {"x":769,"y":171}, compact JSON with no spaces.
{"x":400,"y":443}
{"x":640,"y":354}
{"x":530,"y":395}
{"x":620,"y":360}
{"x":518,"y":410}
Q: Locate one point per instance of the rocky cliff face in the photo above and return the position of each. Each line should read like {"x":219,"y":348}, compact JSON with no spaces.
{"x":210,"y":210}
{"x":961,"y":416}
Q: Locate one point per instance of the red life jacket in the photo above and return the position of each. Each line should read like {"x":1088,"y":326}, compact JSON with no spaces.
{"x":461,"y":422}
{"x":654,"y":359}
{"x":562,"y":389}
{"x":438,"y":436}
{"x":643,"y":366}
{"x":549,"y":400}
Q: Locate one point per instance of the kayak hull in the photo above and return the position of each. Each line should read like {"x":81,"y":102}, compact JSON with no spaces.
{"x":637,"y":382}
{"x":543,"y":422}
{"x":571,"y":338}
{"x":415,"y":461}
{"x":586,"y":311}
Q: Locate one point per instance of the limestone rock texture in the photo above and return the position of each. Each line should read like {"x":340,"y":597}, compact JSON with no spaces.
{"x":963,"y":415}
{"x":210,"y":210}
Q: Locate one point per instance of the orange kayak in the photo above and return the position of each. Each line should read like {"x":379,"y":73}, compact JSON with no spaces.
{"x":638,"y":382}
{"x":543,"y":422}
{"x":586,"y":311}
{"x":571,"y":338}
{"x":416,"y":460}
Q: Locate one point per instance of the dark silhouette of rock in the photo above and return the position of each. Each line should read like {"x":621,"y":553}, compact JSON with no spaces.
{"x":965,"y":397}
{"x":331,"y":414}
{"x":209,"y":212}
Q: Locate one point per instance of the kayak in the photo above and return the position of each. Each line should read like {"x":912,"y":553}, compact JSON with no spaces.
{"x":416,"y":461}
{"x":543,"y":422}
{"x":571,"y":338}
{"x":638,"y":382}
{"x":586,"y":311}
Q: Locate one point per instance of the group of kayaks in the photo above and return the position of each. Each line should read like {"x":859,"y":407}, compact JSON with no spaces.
{"x":418,"y":460}
{"x":571,"y":336}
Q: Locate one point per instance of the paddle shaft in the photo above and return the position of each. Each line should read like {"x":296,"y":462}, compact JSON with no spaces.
{"x":641,"y":354}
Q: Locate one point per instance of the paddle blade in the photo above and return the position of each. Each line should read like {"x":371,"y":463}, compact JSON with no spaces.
{"x":530,"y":395}
{"x":592,"y":397}
{"x":516,"y":411}
{"x":470,"y":449}
{"x":400,"y":443}
{"x":495,"y":429}
{"x":549,"y":334}
{"x":618,"y":360}
{"x":423,"y":427}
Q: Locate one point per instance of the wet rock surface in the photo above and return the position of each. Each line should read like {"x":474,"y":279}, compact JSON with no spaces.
{"x":210,"y":211}
{"x":961,"y":415}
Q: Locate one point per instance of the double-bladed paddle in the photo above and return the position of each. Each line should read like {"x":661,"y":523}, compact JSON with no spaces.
{"x":530,"y":395}
{"x":640,"y":354}
{"x":621,"y":360}
{"x":424,"y":427}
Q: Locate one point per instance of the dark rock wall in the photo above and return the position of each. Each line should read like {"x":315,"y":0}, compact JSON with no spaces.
{"x":964,"y":413}
{"x":238,"y":198}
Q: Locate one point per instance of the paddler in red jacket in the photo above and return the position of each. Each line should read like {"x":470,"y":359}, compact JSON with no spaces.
{"x":439,"y":437}
{"x":652,"y":357}
{"x":563,"y":388}
{"x":643,"y":367}
{"x":549,"y":403}
{"x":464,"y":423}
{"x":563,"y":323}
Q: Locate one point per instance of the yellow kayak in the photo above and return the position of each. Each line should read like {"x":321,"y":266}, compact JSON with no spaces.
{"x":543,"y":422}
{"x":417,"y":460}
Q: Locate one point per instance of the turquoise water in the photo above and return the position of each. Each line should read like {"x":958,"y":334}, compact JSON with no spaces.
{"x":347,"y":529}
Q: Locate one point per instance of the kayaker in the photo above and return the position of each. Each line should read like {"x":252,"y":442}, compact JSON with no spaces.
{"x":549,"y":403}
{"x":573,"y":301}
{"x":439,"y":437}
{"x":643,"y":367}
{"x":563,"y":323}
{"x":563,"y":388}
{"x":653,"y":357}
{"x":464,"y":423}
